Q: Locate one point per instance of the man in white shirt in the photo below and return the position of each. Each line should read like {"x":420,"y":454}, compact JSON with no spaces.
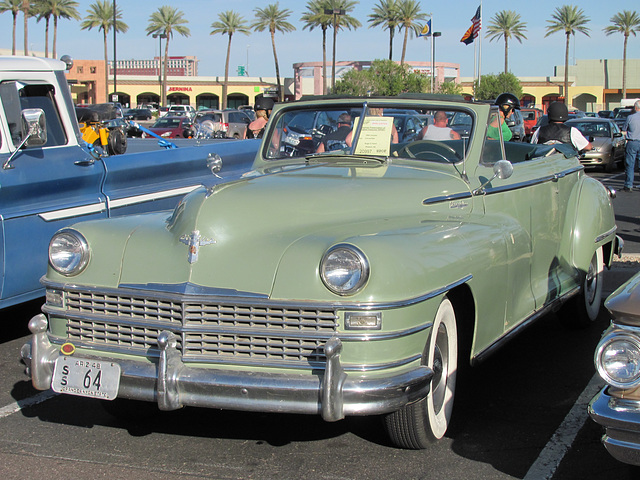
{"x":439,"y":130}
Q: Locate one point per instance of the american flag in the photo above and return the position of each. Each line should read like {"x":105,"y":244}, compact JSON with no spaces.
{"x":474,"y":30}
{"x":477,"y":20}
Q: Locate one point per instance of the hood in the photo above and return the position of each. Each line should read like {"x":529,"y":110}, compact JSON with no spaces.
{"x":235,"y":236}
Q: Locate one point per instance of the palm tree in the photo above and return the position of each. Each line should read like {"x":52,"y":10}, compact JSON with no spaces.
{"x":43,"y":11}
{"x":13,"y":6}
{"x":166,"y":20}
{"x":408,"y":14}
{"x":275,"y":20}
{"x":568,"y":19}
{"x":230,"y":23}
{"x":506,"y":24}
{"x":67,"y":9}
{"x":626,"y":23}
{"x":100,"y":16}
{"x":316,"y":17}
{"x":385,"y":14}
{"x":26,"y":10}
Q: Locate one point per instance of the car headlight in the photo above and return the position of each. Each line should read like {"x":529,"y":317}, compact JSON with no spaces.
{"x":166,"y":134}
{"x":68,"y":252}
{"x":618,"y":360}
{"x":344,"y":269}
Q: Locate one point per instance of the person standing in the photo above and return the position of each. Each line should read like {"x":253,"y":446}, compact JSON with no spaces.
{"x":632,"y":155}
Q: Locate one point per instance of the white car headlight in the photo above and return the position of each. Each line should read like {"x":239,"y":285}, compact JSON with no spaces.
{"x":618,"y":360}
{"x":344,"y":269}
{"x":68,"y":252}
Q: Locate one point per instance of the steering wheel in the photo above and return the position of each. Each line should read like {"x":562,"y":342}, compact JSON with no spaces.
{"x":411,"y":149}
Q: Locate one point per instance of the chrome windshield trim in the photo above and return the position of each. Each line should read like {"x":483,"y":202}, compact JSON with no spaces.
{"x":260,"y":299}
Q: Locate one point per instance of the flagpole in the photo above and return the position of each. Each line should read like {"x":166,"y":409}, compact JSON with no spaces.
{"x":433,"y":65}
{"x":480,"y":47}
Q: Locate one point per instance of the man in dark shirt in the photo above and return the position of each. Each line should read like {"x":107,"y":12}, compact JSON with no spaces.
{"x":557,"y":131}
{"x":336,"y":139}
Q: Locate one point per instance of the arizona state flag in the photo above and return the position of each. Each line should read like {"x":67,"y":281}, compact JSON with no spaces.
{"x":474,"y":30}
{"x":426,"y":30}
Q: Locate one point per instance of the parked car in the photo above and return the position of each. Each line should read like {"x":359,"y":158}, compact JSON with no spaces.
{"x":617,"y":358}
{"x":181,"y":110}
{"x":224,"y":123}
{"x":171,"y":126}
{"x":138,"y":114}
{"x":408,"y":125}
{"x":605,"y":114}
{"x":544,"y":120}
{"x":530,"y":117}
{"x":621,"y":116}
{"x":162,"y":111}
{"x":607,"y":140}
{"x":354,"y":282}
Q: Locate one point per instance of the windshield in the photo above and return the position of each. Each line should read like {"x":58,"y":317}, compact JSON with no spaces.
{"x":592,"y":129}
{"x":416,"y":133}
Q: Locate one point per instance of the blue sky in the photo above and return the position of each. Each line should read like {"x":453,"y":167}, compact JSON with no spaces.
{"x":536,"y":56}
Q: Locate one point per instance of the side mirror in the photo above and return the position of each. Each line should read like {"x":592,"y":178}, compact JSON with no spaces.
{"x":34,"y":132}
{"x":502,"y":169}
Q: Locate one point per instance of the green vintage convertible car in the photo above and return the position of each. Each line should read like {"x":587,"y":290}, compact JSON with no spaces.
{"x":345,"y":274}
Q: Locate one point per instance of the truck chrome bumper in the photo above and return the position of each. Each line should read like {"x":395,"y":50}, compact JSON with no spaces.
{"x":621,"y":419}
{"x":172,"y":384}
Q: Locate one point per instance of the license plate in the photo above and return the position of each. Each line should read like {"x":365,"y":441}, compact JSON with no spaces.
{"x":86,"y":378}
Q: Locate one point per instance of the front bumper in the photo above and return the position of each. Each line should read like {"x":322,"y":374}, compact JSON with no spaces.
{"x":172,"y":384}
{"x":621,"y":420}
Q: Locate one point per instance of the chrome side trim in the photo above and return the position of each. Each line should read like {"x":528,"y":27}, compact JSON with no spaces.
{"x":600,"y":238}
{"x":446,"y":198}
{"x":536,"y":181}
{"x":338,"y":305}
{"x":126,"y":201}
{"x":73,"y":212}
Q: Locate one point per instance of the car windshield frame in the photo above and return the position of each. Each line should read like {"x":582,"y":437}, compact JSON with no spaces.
{"x":302,"y":131}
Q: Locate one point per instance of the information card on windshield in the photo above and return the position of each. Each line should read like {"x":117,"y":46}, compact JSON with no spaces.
{"x":375,"y":136}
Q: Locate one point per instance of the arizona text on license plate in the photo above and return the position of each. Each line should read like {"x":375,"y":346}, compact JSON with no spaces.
{"x":86,"y":377}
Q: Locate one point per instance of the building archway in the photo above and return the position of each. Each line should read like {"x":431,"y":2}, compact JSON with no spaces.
{"x":147,"y":98}
{"x":549,"y":99}
{"x":585,"y":102}
{"x":178,"y":99}
{"x":527,"y":101}
{"x":236,"y":100}
{"x":207,"y":100}
{"x":123,"y":98}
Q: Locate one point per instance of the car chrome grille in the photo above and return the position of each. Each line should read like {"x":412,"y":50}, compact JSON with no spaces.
{"x":207,"y":331}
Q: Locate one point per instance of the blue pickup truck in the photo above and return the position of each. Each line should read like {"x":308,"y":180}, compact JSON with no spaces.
{"x":49,"y":179}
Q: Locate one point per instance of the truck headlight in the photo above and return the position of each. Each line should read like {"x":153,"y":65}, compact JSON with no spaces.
{"x":68,"y":252}
{"x":618,"y":360}
{"x":344,"y":269}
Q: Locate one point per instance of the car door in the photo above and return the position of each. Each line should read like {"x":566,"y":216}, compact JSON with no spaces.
{"x":42,"y":188}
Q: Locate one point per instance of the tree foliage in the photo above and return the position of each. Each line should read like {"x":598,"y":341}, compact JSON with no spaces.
{"x":383,"y":78}
{"x":627,"y":23}
{"x":490,"y":86}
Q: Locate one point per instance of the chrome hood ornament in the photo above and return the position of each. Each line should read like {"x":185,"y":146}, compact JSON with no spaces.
{"x":194,"y":241}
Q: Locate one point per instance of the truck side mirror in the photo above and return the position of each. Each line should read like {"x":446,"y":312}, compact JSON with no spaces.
{"x":34,"y":132}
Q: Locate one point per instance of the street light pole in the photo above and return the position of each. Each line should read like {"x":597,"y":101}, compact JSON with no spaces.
{"x":335,"y":12}
{"x":433,"y":59}
{"x":160,"y":36}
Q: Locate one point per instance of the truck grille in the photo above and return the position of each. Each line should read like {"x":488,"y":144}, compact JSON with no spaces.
{"x":207,"y":331}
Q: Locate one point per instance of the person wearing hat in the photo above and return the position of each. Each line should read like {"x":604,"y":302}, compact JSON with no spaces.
{"x":336,"y":139}
{"x":632,"y":156}
{"x":557,"y":132}
{"x":263,"y":108}
{"x":507,"y":103}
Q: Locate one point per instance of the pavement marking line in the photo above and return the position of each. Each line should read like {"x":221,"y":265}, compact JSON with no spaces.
{"x":27,"y":402}
{"x":549,"y":459}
